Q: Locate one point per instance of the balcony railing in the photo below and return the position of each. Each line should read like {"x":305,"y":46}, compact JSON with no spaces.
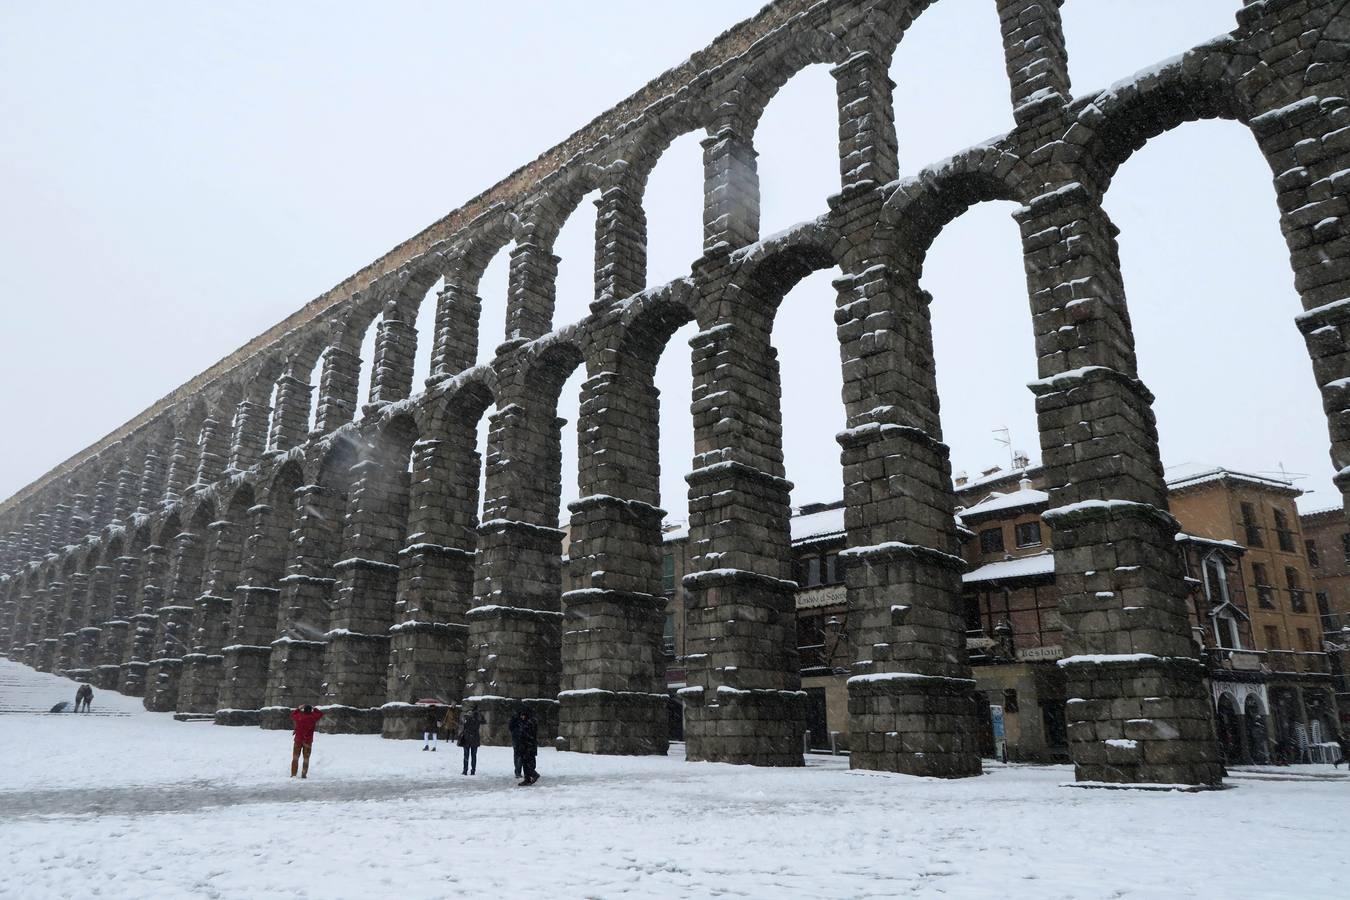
{"x":1297,"y":662}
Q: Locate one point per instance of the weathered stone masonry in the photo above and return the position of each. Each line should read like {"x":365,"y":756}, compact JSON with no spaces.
{"x":217,"y":555}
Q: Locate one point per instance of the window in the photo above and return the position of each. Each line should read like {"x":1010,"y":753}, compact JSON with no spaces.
{"x":1216,"y":579}
{"x":991,"y":540}
{"x":1330,"y":621}
{"x":1264,"y":595}
{"x":1272,"y":637}
{"x":1305,"y":641}
{"x":833,"y":574}
{"x":1282,"y":532}
{"x":813,"y":571}
{"x":668,"y":573}
{"x":1345,"y":547}
{"x":1313,"y":559}
{"x":1028,"y":534}
{"x":1226,"y":632}
{"x":1251,"y":526}
{"x":668,"y":634}
{"x":1297,"y":596}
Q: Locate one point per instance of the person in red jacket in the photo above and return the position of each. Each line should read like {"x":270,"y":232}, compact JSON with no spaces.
{"x":305,"y":718}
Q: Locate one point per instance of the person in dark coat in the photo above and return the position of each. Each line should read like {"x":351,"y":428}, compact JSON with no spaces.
{"x":84,"y":696}
{"x":513,"y":726}
{"x":430,"y":729}
{"x":529,"y":746}
{"x":470,"y":736}
{"x":1344,"y":741}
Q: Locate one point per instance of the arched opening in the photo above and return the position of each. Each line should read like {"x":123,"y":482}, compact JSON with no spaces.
{"x":951,"y":85}
{"x":1212,"y":309}
{"x":366,"y":352}
{"x":673,"y":203}
{"x":493,"y":291}
{"x":675,"y":380}
{"x":797,"y":147}
{"x":575,"y":249}
{"x":981,"y":326}
{"x":1106,"y":42}
{"x":1229,"y":727}
{"x":1257,"y":732}
{"x":425,"y":323}
{"x":314,"y":379}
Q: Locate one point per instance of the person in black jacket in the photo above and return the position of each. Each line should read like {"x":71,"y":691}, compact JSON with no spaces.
{"x":529,"y":746}
{"x":469,"y":739}
{"x":513,"y":726}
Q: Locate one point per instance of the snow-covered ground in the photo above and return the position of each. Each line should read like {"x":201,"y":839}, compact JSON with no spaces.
{"x":140,"y":806}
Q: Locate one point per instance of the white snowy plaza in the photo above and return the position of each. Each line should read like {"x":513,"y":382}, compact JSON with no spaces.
{"x":125,"y":803}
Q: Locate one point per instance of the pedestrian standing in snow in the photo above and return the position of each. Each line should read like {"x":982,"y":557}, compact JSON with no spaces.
{"x":305,"y":718}
{"x":84,"y":696}
{"x":430,"y":728}
{"x":513,"y":725}
{"x":450,"y":724}
{"x":529,"y":746}
{"x":470,"y":736}
{"x":1344,"y":741}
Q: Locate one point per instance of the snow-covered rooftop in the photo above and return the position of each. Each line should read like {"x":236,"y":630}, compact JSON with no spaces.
{"x":820,"y":524}
{"x":1041,"y":564}
{"x":997,"y":502}
{"x":1190,"y":474}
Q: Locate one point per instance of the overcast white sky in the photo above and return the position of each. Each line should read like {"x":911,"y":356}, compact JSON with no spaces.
{"x":180,"y":176}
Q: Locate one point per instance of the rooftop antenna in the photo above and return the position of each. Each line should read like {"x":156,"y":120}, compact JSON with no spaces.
{"x":1285,"y":474}
{"x":1006,"y":440}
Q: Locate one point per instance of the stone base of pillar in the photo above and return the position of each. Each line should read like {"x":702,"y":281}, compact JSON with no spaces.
{"x":294,"y":677}
{"x":913,"y":724}
{"x":408,"y":721}
{"x":426,"y":660}
{"x":133,"y":678}
{"x":47,"y":653}
{"x":30,"y":652}
{"x":244,"y":681}
{"x":240,"y":717}
{"x":68,"y":654}
{"x":744,"y":727}
{"x":113,"y":643}
{"x":199,"y":690}
{"x":497,"y":711}
{"x":621,"y":723}
{"x":1140,"y":719}
{"x":339,"y":719}
{"x":275,"y":718}
{"x":78,"y":675}
{"x":355,"y":672}
{"x":162,"y":678}
{"x":87,"y":651}
{"x":106,"y":678}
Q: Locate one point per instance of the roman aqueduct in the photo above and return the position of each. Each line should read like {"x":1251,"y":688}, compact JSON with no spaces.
{"x":216,"y":554}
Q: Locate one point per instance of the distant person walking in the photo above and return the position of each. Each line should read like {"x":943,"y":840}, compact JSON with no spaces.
{"x":430,"y":729}
{"x":84,"y":696}
{"x":529,"y":746}
{"x":305,"y":718}
{"x":470,"y":736}
{"x":514,"y":725}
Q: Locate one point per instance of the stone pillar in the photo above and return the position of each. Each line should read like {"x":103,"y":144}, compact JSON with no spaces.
{"x":356,"y":659}
{"x":621,"y":245}
{"x":1140,"y":711}
{"x":253,"y":620}
{"x":456,"y":341}
{"x":182,"y":466}
{"x":152,"y":483}
{"x":37,"y":640}
{"x":149,"y":598}
{"x":61,"y":513}
{"x":98,"y":612}
{"x":743,"y":703}
{"x":115,"y":640}
{"x":530,"y":300}
{"x":77,"y":596}
{"x":730,"y":191}
{"x":395,"y":353}
{"x":203,"y":668}
{"x":128,"y":484}
{"x":1038,"y":67}
{"x":435,"y":580}
{"x":613,"y":696}
{"x":911,"y":703}
{"x":173,"y":631}
{"x":338,"y":385}
{"x":290,"y":419}
{"x":250,"y":433}
{"x":77,"y":526}
{"x":295,"y":669}
{"x":868,"y":150}
{"x":514,"y":630}
{"x":214,"y":451}
{"x":104,"y":494}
